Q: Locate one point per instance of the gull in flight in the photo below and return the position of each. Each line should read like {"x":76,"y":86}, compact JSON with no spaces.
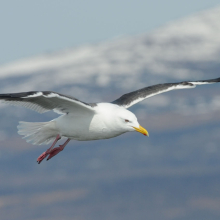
{"x":84,"y":121}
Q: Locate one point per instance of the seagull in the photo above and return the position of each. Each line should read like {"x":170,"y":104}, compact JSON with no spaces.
{"x":84,"y":121}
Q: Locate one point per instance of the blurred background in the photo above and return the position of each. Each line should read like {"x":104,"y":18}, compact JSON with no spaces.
{"x":97,"y":51}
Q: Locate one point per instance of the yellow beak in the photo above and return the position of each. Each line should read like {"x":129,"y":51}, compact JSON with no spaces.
{"x":142,"y":130}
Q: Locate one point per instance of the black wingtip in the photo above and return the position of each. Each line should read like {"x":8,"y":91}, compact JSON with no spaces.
{"x":213,"y":80}
{"x":218,"y":79}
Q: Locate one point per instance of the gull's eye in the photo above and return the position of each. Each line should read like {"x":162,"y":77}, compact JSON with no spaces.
{"x":126,"y":120}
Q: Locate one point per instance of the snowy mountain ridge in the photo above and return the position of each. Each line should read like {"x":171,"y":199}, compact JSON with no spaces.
{"x":187,"y":49}
{"x":163,"y":52}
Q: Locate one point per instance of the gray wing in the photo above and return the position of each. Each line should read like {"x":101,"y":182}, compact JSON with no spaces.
{"x":129,"y":99}
{"x":43,"y":101}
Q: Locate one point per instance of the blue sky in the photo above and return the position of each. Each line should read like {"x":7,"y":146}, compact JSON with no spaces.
{"x":30,"y":27}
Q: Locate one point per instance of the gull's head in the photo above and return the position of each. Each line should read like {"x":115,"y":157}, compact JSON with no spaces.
{"x":119,"y":118}
{"x":129,"y":121}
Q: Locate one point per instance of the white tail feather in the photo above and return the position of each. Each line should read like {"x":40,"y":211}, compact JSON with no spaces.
{"x":38,"y":133}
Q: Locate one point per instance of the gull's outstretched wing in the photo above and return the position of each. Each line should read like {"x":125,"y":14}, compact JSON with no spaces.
{"x":43,"y":101}
{"x":129,"y":99}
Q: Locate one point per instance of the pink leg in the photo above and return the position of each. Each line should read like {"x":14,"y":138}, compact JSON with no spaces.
{"x":44,"y":154}
{"x":56,"y":150}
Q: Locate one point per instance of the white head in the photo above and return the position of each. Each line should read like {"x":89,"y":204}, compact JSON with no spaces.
{"x":120,"y":119}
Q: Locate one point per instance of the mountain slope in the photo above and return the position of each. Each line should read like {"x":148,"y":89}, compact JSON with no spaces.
{"x":182,"y":49}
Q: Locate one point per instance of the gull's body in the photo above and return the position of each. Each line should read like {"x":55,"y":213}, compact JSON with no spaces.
{"x":84,"y":121}
{"x":100,"y":124}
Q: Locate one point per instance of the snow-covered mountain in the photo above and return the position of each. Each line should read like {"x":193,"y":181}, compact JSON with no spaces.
{"x":194,"y":39}
{"x":182,"y":50}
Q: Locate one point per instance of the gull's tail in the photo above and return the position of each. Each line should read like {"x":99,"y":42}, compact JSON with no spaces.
{"x":38,"y":133}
